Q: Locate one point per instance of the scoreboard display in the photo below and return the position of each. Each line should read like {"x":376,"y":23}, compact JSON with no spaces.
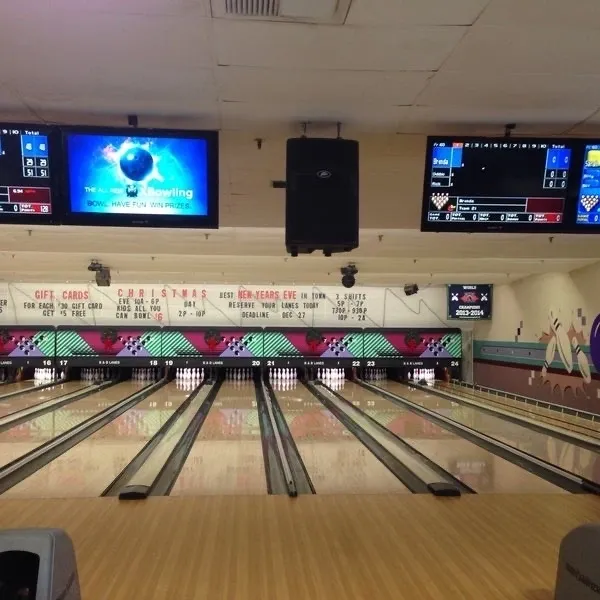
{"x":504,"y":184}
{"x":588,"y":201}
{"x":27,"y":173}
{"x":469,"y":302}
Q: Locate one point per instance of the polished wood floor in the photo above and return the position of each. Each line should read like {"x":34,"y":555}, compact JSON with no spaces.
{"x":321,"y":547}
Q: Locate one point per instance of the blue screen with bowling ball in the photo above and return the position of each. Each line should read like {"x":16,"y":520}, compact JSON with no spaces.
{"x":139,"y":176}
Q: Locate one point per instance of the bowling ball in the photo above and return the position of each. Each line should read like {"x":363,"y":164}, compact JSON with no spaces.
{"x":595,"y":343}
{"x":137,"y":163}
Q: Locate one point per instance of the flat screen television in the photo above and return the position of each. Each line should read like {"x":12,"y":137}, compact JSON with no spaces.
{"x":141,"y":177}
{"x":519,"y":185}
{"x":588,"y":194}
{"x":469,"y":302}
{"x":29,"y":173}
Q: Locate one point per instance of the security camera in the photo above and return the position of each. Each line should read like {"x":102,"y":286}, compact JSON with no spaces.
{"x":95,"y":266}
{"x":348,"y":275}
{"x":410,"y":289}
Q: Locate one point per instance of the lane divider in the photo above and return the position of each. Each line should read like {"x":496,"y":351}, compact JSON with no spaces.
{"x":20,"y":468}
{"x":543,"y":469}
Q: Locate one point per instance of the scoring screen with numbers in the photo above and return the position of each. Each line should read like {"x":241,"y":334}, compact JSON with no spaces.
{"x":26,"y":174}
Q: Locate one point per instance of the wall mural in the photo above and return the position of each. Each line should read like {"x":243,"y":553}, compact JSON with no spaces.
{"x":541,"y":343}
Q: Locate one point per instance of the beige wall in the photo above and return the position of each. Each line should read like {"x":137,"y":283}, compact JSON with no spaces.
{"x":574,"y":297}
{"x":391,"y":179}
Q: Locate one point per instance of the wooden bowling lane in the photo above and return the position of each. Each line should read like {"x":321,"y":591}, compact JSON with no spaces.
{"x":227,"y":455}
{"x":12,"y":405}
{"x":17,"y":386}
{"x":23,"y":438}
{"x":476,"y":467}
{"x":336,"y":461}
{"x":537,"y":413}
{"x":89,"y":467}
{"x":575,"y":459}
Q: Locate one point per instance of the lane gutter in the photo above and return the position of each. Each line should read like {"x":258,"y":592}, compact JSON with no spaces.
{"x":115,"y":487}
{"x":277,"y":481}
{"x":35,"y":388}
{"x":541,"y":468}
{"x":33,"y":412}
{"x":547,"y":430}
{"x":167,"y":476}
{"x":445,"y":475}
{"x":304,"y":484}
{"x":24,"y":466}
{"x":399,"y":470}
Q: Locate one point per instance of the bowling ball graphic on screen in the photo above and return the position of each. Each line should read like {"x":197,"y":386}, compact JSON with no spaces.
{"x":412,"y":339}
{"x":212,"y":338}
{"x":595,"y":343}
{"x":136,"y":163}
{"x":109,"y":338}
{"x":313,"y":339}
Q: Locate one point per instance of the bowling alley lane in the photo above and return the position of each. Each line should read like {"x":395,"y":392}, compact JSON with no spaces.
{"x":12,"y":405}
{"x":336,"y":462}
{"x":88,"y":468}
{"x":23,"y":438}
{"x":481,"y":470}
{"x":536,"y":413}
{"x":568,"y":456}
{"x":17,"y":386}
{"x":227,"y":456}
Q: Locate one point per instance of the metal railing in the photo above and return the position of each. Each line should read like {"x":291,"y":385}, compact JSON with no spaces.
{"x":556,"y":408}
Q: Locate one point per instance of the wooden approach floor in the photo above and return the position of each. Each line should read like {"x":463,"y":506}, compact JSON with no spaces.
{"x":321,"y":547}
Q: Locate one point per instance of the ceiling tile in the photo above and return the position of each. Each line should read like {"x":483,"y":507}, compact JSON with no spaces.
{"x":414,"y":12}
{"x":250,"y":84}
{"x":178,"y":93}
{"x":241,"y":115}
{"x":490,"y":120}
{"x":527,"y":50}
{"x":134,"y":7}
{"x":293,"y":46}
{"x":498,"y":90}
{"x":105,"y":47}
{"x":542,"y":13}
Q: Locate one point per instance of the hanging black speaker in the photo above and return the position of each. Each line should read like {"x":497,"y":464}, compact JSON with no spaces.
{"x":321,"y":211}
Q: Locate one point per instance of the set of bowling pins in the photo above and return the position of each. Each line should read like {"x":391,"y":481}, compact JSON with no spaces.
{"x":187,"y":385}
{"x":4,"y":376}
{"x":566,"y":348}
{"x":145,"y":374}
{"x":189,"y":375}
{"x":43,"y":375}
{"x":238,"y":374}
{"x":283,"y":385}
{"x":375,"y":374}
{"x":331,"y":374}
{"x":420,"y":374}
{"x":95,"y":374}
{"x":282,"y":374}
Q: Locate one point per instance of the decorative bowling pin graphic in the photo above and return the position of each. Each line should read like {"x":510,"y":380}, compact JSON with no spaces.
{"x":582,"y":361}
{"x":563,"y":344}
{"x":550,"y":352}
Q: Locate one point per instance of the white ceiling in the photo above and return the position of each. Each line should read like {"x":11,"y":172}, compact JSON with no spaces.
{"x":402,"y":65}
{"x":394,"y":66}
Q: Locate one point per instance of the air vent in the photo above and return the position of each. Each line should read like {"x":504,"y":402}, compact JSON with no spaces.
{"x":252,"y":8}
{"x":330,"y":12}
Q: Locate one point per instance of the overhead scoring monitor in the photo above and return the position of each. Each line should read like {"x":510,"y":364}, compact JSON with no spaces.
{"x":486,"y":184}
{"x":26,"y":173}
{"x":588,"y":204}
